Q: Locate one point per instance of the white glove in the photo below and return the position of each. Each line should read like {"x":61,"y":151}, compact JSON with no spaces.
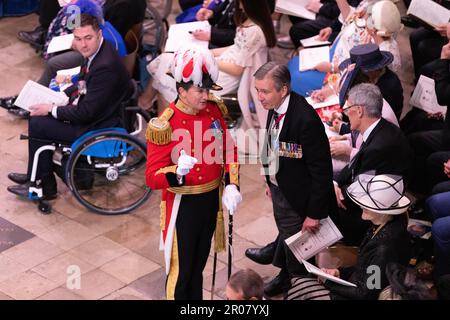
{"x":185,"y":163}
{"x":231,"y":198}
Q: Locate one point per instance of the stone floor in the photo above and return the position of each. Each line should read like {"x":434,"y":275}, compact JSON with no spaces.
{"x":117,"y":256}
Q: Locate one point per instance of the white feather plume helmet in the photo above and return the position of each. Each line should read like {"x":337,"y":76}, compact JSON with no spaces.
{"x":197,"y":65}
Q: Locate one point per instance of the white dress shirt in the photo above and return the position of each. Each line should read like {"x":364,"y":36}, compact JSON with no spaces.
{"x":274,"y":136}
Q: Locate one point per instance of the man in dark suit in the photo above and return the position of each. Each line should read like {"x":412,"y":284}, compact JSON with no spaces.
{"x":221,"y":19}
{"x":95,"y":103}
{"x":297,"y":165}
{"x":384,"y":150}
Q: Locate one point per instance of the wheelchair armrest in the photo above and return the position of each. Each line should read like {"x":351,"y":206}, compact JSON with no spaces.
{"x":145,"y":114}
{"x":47,"y":141}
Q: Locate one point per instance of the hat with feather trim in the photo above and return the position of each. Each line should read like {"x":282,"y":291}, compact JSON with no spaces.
{"x":196,"y":65}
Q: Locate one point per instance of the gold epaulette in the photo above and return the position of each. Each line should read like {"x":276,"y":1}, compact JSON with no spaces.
{"x":159,"y":130}
{"x":222,"y":107}
{"x":234,"y":173}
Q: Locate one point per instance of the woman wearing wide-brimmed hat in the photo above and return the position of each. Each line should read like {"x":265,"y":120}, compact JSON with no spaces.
{"x":382,"y":200}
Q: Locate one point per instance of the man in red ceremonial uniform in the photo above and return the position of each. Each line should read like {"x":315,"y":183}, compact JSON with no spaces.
{"x":191,"y":155}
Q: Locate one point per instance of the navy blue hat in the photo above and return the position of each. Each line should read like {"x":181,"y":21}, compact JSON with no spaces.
{"x":348,"y":79}
{"x":366,"y":57}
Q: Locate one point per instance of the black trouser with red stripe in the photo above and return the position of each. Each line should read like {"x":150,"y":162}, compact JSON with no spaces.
{"x":195,"y":225}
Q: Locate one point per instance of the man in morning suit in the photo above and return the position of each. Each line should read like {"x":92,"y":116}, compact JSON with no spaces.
{"x":95,"y":103}
{"x":298,"y":166}
{"x":385,"y":150}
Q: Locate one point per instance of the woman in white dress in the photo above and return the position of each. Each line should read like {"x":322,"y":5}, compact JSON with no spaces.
{"x":254,"y":34}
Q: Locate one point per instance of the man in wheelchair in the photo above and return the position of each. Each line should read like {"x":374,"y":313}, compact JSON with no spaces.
{"x":95,"y":103}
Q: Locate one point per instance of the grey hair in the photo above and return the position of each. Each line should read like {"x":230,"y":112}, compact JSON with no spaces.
{"x":369,"y":96}
{"x":278,"y":72}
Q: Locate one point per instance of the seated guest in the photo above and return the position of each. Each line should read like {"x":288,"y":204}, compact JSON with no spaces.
{"x":191,"y":8}
{"x":384,"y":149}
{"x":63,"y":24}
{"x":73,"y":58}
{"x":326,"y":11}
{"x":383,"y":204}
{"x":383,"y":25}
{"x":223,"y":28}
{"x":374,"y":67}
{"x":47,"y":11}
{"x":222,"y":34}
{"x":245,"y":284}
{"x":355,"y":31}
{"x":416,"y":119}
{"x":439,"y":207}
{"x":426,"y":44}
{"x":254,"y":35}
{"x":124,"y":14}
{"x":371,"y":62}
{"x":438,"y":172}
{"x":97,"y":105}
{"x":425,"y":143}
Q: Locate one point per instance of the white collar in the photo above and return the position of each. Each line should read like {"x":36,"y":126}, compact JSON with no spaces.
{"x":95,"y":53}
{"x":369,"y":130}
{"x":284,"y":105}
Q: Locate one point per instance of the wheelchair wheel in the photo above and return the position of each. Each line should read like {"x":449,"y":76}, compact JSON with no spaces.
{"x":106,"y":173}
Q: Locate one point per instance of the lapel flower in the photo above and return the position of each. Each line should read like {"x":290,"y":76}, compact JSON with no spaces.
{"x":82,"y":87}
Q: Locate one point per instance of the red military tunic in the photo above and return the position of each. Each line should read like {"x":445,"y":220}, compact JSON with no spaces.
{"x":202,"y":134}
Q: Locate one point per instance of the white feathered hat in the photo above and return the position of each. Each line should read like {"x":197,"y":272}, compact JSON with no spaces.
{"x":196,"y":65}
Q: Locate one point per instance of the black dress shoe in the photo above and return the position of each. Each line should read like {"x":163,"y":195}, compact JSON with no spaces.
{"x":19,"y":178}
{"x":8,"y":102}
{"x":35,"y":37}
{"x":261,"y":255}
{"x":280,"y":284}
{"x":19,"y":112}
{"x":22,"y":191}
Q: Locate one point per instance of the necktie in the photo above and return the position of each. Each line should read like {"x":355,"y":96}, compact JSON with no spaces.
{"x":83,"y":69}
{"x":78,"y":88}
{"x":355,"y":135}
{"x":274,"y":128}
{"x":356,"y":157}
{"x":276,"y":120}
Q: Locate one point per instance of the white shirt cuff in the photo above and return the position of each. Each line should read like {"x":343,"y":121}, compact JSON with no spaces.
{"x":54,"y":113}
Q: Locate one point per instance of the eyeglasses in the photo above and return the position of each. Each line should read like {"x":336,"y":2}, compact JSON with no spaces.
{"x":346,"y":108}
